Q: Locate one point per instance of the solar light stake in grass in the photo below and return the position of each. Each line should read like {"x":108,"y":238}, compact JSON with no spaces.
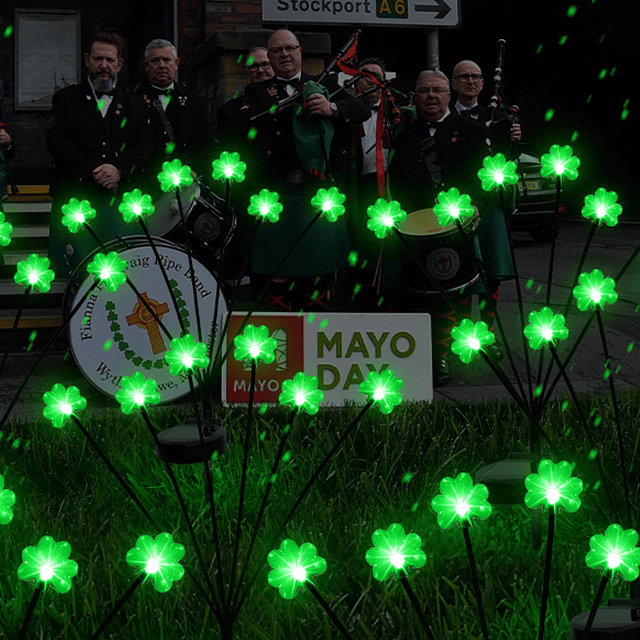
{"x":116,"y":608}
{"x":29,"y":614}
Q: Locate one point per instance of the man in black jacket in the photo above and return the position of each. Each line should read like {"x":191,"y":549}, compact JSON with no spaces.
{"x":100,"y":139}
{"x":295,"y":151}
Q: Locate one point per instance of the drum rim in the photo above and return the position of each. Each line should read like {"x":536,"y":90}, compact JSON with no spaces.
{"x":446,"y":231}
{"x":197,"y":185}
{"x":431,"y":292}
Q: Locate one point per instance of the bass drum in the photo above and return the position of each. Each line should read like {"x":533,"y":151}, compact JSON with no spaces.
{"x":113,"y":334}
{"x":209,"y":223}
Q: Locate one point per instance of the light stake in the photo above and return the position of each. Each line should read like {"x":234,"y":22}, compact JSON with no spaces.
{"x":6,"y":228}
{"x":265,"y":206}
{"x":329,"y":202}
{"x":451,"y":206}
{"x":7,"y":500}
{"x":136,"y":206}
{"x":384,"y":216}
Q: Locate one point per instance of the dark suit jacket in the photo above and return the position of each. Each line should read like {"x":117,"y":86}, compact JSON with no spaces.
{"x":460,"y":146}
{"x":273,"y":151}
{"x":80,"y":139}
{"x":186,"y":113}
{"x":500,"y":131}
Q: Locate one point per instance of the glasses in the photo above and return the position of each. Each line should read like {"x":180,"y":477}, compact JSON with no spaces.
{"x":437,"y":90}
{"x":469,"y":76}
{"x":265,"y":66}
{"x":290,"y":48}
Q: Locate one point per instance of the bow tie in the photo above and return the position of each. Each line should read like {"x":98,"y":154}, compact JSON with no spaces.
{"x":106,"y":93}
{"x":160,"y":92}
{"x":294,"y":82}
{"x":467,"y":113}
{"x":433,"y":125}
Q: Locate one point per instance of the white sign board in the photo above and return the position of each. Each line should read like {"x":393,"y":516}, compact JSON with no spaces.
{"x":340,"y":349}
{"x":377,"y":13}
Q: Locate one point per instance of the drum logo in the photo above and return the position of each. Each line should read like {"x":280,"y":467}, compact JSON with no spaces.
{"x":443,"y":263}
{"x":143,"y":318}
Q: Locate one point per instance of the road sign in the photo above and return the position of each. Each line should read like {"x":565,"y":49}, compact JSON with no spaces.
{"x":397,"y":13}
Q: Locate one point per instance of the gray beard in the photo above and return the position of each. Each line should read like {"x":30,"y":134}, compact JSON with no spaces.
{"x":100,"y":85}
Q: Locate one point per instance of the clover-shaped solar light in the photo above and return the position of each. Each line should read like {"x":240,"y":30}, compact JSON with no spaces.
{"x":384,"y":216}
{"x":329,"y":202}
{"x":48,"y":563}
{"x":77,"y":213}
{"x":265,"y":206}
{"x":293,"y":567}
{"x":302,"y":393}
{"x":5,"y":231}
{"x":470,"y":338}
{"x":136,"y":392}
{"x":551,"y":487}
{"x":459,"y":501}
{"x":394,"y":553}
{"x":614,"y":552}
{"x":34,"y":273}
{"x":255,"y":344}
{"x":601,"y":207}
{"x":451,"y":206}
{"x":186,"y":354}
{"x":62,"y":403}
{"x":545,"y":328}
{"x":560,"y":162}
{"x":108,"y":269}
{"x":594,"y":290}
{"x":135,"y":206}
{"x":497,"y":172}
{"x":228,"y":167}
{"x":158,"y":559}
{"x":7,"y":500}
{"x":383,"y":390}
{"x":174,"y":175}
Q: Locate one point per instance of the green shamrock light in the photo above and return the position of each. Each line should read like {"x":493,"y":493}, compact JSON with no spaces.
{"x":49,"y":563}
{"x":393,"y":552}
{"x":459,"y":501}
{"x":75,"y":213}
{"x":384,"y":389}
{"x":545,"y":327}
{"x":109,"y":269}
{"x":135,"y":206}
{"x":265,"y":205}
{"x":159,"y":559}
{"x":5,"y":231}
{"x":560,"y":162}
{"x":602,"y":206}
{"x":302,"y":393}
{"x":553,"y":486}
{"x":136,"y":392}
{"x":469,"y":338}
{"x":616,"y":551}
{"x":255,"y":344}
{"x":7,"y":500}
{"x":293,"y":566}
{"x":496,"y":172}
{"x":383,"y":216}
{"x":62,"y":403}
{"x":228,"y":167}
{"x":185,"y":354}
{"x":451,"y":206}
{"x":174,"y":175}
{"x":34,"y":273}
{"x":329,"y":201}
{"x":594,"y":290}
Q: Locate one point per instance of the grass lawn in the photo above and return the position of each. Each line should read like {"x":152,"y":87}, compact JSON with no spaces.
{"x":387,"y":471}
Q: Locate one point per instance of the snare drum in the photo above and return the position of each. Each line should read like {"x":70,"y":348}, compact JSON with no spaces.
{"x":441,"y":250}
{"x":113,"y":334}
{"x":209,"y":224}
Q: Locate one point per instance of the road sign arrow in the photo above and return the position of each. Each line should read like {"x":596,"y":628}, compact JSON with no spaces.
{"x":441,"y":7}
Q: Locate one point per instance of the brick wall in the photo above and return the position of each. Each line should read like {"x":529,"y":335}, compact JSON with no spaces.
{"x":224,"y":15}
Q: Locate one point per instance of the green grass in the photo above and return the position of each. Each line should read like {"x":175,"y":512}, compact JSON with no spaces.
{"x":64,"y":490}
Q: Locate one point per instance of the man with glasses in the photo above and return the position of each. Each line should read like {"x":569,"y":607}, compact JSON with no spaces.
{"x":178,"y":114}
{"x":257,"y":66}
{"x":440,"y":150}
{"x":297,"y":149}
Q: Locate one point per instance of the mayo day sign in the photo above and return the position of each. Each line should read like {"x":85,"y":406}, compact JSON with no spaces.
{"x":340,"y":350}
{"x":397,"y":13}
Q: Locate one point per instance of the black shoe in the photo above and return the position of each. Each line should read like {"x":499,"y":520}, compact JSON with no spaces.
{"x":493,"y":351}
{"x":441,"y":372}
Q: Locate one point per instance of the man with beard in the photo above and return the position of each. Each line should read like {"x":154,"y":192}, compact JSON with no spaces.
{"x":100,"y":139}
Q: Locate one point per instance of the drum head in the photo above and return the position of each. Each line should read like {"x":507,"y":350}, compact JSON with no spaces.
{"x":167,"y":213}
{"x":424,"y":222}
{"x":113,"y":334}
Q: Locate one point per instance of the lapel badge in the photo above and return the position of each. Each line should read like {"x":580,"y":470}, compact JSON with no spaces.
{"x":273,"y":91}
{"x":454,"y":139}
